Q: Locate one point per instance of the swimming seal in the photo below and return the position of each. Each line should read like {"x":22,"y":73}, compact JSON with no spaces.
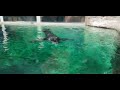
{"x":51,"y":37}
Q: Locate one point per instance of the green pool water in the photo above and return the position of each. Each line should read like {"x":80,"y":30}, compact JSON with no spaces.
{"x":89,"y":51}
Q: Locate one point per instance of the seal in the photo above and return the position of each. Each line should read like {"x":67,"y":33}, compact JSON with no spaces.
{"x":49,"y":36}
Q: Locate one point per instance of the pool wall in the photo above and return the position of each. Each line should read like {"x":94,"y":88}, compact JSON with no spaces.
{"x":46,"y":18}
{"x":112,"y":22}
{"x":42,"y":23}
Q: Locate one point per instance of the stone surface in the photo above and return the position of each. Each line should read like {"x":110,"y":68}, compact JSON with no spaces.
{"x":74,"y":18}
{"x":52,"y":18}
{"x":112,"y":22}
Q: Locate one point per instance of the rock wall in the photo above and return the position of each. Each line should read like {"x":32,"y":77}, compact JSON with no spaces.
{"x":74,"y":18}
{"x":53,"y":18}
{"x":112,"y":22}
{"x":33,"y":18}
{"x":46,"y":18}
{"x":63,"y":18}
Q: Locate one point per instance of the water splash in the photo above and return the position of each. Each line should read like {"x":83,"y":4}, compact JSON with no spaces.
{"x":5,"y":39}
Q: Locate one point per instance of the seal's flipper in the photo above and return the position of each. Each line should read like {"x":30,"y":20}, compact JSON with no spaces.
{"x":39,"y":40}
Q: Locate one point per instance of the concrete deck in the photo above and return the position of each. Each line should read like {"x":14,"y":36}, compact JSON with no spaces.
{"x":42,"y":23}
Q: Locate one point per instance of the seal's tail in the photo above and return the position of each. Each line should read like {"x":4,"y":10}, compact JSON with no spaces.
{"x":64,"y":39}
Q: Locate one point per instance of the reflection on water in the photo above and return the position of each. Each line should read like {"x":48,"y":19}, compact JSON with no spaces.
{"x":4,"y":36}
{"x":5,"y":39}
{"x":40,"y":36}
{"x":89,"y":52}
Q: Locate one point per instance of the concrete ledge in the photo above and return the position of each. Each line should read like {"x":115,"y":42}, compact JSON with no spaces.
{"x":42,"y":23}
{"x":112,"y":22}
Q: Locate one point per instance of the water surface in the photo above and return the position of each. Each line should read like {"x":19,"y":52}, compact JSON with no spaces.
{"x":90,"y":51}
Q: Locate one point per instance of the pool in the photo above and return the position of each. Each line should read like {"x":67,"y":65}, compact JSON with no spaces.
{"x":89,"y":50}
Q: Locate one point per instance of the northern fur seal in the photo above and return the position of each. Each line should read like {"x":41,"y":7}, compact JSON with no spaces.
{"x":51,"y":37}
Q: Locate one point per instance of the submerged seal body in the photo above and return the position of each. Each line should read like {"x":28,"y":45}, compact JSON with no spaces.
{"x":51,"y":37}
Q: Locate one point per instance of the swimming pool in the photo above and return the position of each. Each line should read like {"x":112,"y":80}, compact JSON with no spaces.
{"x":89,"y":50}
